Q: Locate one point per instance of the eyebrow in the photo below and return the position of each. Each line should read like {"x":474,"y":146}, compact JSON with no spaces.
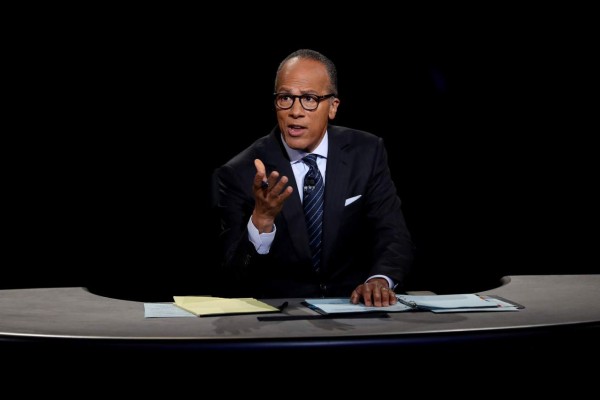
{"x":311,"y":91}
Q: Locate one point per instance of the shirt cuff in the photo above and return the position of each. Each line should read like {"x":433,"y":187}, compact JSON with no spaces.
{"x":261,"y":241}
{"x":389,"y":281}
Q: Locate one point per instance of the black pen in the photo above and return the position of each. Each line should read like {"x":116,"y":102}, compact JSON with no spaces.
{"x":282,"y":306}
{"x":264,"y":185}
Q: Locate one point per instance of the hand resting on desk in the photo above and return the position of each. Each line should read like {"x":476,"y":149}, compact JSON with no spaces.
{"x":374,"y":293}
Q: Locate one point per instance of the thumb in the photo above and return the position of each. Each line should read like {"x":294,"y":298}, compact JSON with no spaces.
{"x":260,"y":171}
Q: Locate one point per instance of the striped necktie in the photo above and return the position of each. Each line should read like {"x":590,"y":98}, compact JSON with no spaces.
{"x":314,"y":191}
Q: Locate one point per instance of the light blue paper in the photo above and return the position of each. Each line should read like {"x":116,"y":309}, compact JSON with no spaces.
{"x":165,"y":310}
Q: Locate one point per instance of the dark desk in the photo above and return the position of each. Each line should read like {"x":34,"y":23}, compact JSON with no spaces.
{"x":561,"y":318}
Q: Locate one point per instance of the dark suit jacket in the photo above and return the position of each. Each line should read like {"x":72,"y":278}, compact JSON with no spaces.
{"x":364,"y":238}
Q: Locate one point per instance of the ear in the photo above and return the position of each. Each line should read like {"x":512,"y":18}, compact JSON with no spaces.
{"x":333,"y":108}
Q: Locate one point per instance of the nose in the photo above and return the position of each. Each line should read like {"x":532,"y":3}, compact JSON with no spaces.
{"x":297,"y":109}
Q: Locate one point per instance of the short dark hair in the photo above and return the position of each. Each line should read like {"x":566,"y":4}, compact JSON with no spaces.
{"x":316,"y":56}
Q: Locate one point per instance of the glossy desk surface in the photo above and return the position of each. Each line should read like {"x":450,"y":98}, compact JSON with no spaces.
{"x":75,"y":313}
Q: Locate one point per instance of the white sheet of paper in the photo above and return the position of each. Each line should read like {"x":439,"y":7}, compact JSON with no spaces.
{"x":165,"y":310}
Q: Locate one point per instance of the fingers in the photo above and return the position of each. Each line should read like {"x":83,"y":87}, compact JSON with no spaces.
{"x":388,"y":297}
{"x":272,"y":185}
{"x":355,"y":296}
{"x":373,"y":295}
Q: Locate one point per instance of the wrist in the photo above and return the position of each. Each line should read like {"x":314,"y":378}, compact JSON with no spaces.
{"x":264,"y":225}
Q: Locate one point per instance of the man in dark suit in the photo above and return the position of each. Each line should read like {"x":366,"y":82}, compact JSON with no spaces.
{"x":365,"y":249}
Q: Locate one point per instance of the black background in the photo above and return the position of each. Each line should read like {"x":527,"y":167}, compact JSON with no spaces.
{"x":114,"y":128}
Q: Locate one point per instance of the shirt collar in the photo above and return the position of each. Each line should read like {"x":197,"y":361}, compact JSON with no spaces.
{"x":297,"y":155}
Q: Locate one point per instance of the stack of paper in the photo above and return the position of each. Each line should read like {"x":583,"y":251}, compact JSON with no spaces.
{"x":343,"y":305}
{"x":458,"y":303}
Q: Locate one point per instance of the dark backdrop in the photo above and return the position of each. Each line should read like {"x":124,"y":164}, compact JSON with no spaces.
{"x":114,"y":133}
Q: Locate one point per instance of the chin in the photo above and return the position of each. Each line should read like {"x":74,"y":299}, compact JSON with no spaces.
{"x":296,"y":143}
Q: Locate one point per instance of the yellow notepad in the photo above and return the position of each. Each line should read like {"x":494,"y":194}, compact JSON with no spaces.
{"x":205,"y":306}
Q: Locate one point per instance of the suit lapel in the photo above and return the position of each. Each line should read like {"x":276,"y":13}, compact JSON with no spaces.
{"x":336,"y":182}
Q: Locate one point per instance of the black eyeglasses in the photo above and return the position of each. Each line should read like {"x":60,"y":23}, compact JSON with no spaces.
{"x":309,"y":102}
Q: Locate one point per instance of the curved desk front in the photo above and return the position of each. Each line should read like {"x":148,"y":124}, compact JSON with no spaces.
{"x":561,"y":315}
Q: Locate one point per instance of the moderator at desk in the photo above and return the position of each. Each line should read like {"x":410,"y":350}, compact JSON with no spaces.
{"x":561,"y":315}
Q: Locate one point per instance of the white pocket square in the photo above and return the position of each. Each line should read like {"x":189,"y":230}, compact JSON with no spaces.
{"x":352,"y":199}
